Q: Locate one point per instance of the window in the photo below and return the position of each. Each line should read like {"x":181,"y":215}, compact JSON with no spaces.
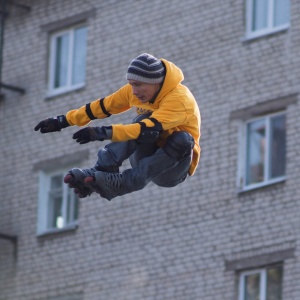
{"x":67,"y":60}
{"x":261,"y":284}
{"x":263,"y":151}
{"x":266,"y":16}
{"x":58,"y":205}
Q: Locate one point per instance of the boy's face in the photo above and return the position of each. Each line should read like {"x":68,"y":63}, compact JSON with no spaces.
{"x":144,"y":91}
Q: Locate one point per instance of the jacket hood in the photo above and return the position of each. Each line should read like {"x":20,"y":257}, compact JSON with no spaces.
{"x":174,"y":76}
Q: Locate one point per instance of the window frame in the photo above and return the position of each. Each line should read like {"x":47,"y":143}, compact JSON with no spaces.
{"x":263,"y":281}
{"x":44,"y":206}
{"x":52,"y":91}
{"x":242,"y":154}
{"x":271,"y":27}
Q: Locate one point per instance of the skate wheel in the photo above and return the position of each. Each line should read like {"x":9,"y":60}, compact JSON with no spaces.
{"x":89,"y":179}
{"x":68,"y":178}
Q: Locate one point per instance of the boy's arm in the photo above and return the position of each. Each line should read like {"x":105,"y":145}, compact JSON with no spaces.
{"x":99,"y":109}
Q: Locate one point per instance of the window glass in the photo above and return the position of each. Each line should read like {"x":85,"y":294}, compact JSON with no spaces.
{"x":261,"y":284}
{"x":263,"y":151}
{"x":274,"y":286}
{"x":72,"y":207}
{"x":58,"y":204}
{"x":55,"y":218}
{"x":277,"y":146}
{"x":61,"y":62}
{"x":67,"y":60}
{"x":55,"y":182}
{"x":55,"y":211}
{"x":281,"y":12}
{"x":79,"y":56}
{"x":267,"y":16}
{"x":259,"y":14}
{"x":256,"y":132}
{"x":252,"y":287}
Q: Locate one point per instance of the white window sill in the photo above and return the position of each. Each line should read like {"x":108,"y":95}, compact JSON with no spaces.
{"x":70,"y":227}
{"x":261,"y":185}
{"x":256,"y":35}
{"x":64,"y":90}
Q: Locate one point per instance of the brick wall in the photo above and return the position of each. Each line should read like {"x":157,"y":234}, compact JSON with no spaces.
{"x":187,"y":242}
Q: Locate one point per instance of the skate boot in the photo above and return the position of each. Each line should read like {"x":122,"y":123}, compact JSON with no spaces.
{"x":108,"y":185}
{"x":75,"y":179}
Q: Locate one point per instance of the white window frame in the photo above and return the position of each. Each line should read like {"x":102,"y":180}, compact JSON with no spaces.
{"x":271,"y":28}
{"x":263,"y":282}
{"x":43,"y":203}
{"x":242,"y":155}
{"x":52,"y":91}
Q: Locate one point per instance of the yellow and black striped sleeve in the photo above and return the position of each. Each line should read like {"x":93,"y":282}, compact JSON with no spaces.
{"x":115,"y":103}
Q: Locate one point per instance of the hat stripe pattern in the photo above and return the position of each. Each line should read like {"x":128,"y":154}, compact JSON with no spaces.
{"x":146,"y":68}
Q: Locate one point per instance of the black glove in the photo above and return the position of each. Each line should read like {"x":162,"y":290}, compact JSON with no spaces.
{"x":91,"y":134}
{"x":52,"y":124}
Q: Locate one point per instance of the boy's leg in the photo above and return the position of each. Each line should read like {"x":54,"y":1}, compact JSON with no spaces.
{"x":142,"y":151}
{"x":175,"y":175}
{"x":111,"y":185}
{"x":110,"y":158}
{"x":175,"y":156}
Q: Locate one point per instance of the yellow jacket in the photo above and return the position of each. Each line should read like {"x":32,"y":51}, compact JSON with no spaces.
{"x":175,"y":108}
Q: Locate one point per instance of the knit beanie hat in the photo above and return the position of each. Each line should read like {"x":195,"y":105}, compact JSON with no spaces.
{"x":146,"y":68}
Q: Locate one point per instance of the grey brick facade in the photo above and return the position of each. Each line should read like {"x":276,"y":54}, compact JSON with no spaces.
{"x":188,"y":242}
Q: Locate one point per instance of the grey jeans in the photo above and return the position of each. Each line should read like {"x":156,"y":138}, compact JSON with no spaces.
{"x":149,"y":163}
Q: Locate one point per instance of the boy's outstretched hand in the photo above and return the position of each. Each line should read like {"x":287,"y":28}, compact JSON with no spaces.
{"x":91,"y":134}
{"x":52,"y":124}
